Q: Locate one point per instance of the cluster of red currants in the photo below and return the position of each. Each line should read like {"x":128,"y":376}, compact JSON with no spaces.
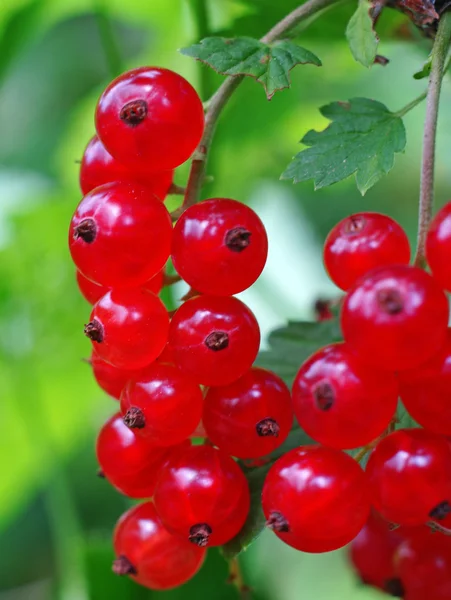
{"x":394,"y":320}
{"x":406,"y":562}
{"x":184,"y":377}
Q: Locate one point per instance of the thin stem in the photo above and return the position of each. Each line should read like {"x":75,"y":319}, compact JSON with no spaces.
{"x":223,"y":94}
{"x":439,"y":52}
{"x":236,"y":579}
{"x":177,"y":190}
{"x":408,"y":107}
{"x":369,"y":447}
{"x":170,"y":279}
{"x":299,"y":14}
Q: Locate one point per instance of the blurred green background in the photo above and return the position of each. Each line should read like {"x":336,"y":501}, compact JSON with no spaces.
{"x":56,"y":56}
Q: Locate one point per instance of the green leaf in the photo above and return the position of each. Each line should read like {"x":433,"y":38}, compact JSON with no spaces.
{"x":289,"y":347}
{"x":268,"y":64}
{"x":425,"y":71}
{"x":362,"y":139}
{"x":362,"y":38}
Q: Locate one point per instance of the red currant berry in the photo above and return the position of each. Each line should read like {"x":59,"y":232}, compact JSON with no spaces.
{"x":395,"y":318}
{"x":111,"y":379}
{"x":410,"y":476}
{"x":162,"y":404}
{"x":128,"y":328}
{"x":200,"y":495}
{"x":425,"y":391}
{"x":250,"y":417}
{"x":438,"y":246}
{"x":99,"y":167}
{"x":151,"y":555}
{"x":341,"y":403}
{"x":316,"y":499}
{"x":362,"y":242}
{"x":131,"y":464}
{"x":219,"y":247}
{"x":89,"y":290}
{"x":372,"y":554}
{"x":423,"y":565}
{"x":214,"y":339}
{"x":152,"y":116}
{"x":120,"y":235}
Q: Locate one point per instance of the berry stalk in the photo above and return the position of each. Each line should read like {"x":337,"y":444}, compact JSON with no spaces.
{"x":222,"y":96}
{"x":439,"y":54}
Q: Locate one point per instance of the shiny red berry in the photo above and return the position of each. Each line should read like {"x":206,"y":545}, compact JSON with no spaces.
{"x":409,"y":473}
{"x":99,"y":167}
{"x":340,"y":402}
{"x":203,"y":496}
{"x":92,"y":292}
{"x":372,"y":554}
{"x":131,"y":464}
{"x":128,"y":328}
{"x":315,"y":498}
{"x":89,"y":290}
{"x":425,"y":391}
{"x":111,"y":379}
{"x":362,"y":242}
{"x":423,"y":565}
{"x":219,"y":247}
{"x":214,"y":339}
{"x":162,"y":404}
{"x":120,"y":235}
{"x":438,"y":246}
{"x":150,"y":116}
{"x":250,"y":417}
{"x":151,"y":555}
{"x":395,"y":317}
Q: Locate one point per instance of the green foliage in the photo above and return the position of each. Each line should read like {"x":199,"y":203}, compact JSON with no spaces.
{"x":425,"y":71}
{"x":362,"y":139}
{"x":268,"y":64}
{"x":362,"y":38}
{"x":290,"y":346}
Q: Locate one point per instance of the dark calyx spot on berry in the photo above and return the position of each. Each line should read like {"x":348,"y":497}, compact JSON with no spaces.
{"x":441,"y":511}
{"x":324,"y":395}
{"x":94,"y":331}
{"x":394,"y":587}
{"x":267,"y":428}
{"x":122,"y":566}
{"x":238,"y":239}
{"x":100,"y":474}
{"x":134,"y":112}
{"x":218,"y":340}
{"x":134,"y":418}
{"x":200,"y":534}
{"x":86,"y":230}
{"x":390,"y":301}
{"x":277,"y":522}
{"x":354,"y":224}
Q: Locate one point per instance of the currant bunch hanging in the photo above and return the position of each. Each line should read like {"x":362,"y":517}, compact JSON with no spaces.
{"x":189,"y":376}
